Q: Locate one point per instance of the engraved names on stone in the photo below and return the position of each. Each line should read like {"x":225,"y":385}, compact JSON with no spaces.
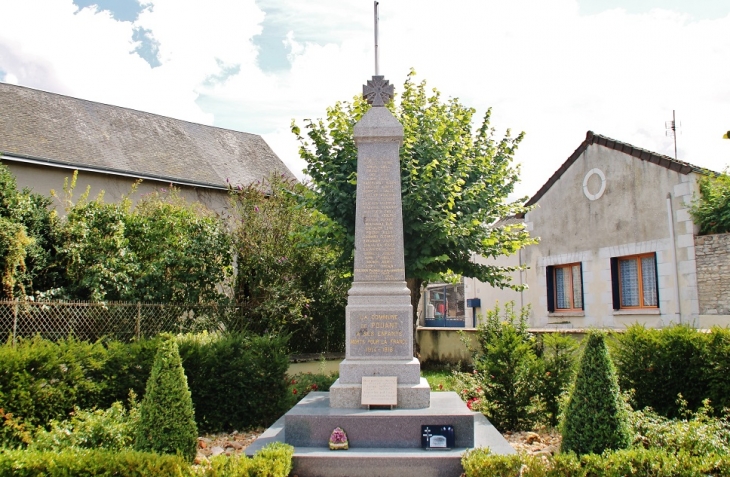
{"x":380,"y":217}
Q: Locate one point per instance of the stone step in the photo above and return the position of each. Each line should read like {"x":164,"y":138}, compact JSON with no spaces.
{"x":310,"y":423}
{"x":377,"y":462}
{"x":382,"y":460}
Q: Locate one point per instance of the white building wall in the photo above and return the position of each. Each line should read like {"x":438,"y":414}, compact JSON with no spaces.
{"x":610,"y":204}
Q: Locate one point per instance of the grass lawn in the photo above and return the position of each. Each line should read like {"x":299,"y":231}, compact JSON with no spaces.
{"x":440,"y":380}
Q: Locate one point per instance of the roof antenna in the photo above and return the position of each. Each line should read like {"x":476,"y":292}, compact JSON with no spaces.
{"x":672,"y":130}
{"x":376,"y":38}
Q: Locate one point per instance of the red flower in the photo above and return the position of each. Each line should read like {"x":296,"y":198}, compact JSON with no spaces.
{"x":294,"y":391}
{"x":293,"y":381}
{"x":441,"y":386}
{"x":314,"y":386}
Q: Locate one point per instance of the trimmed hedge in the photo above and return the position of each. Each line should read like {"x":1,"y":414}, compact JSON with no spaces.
{"x":274,"y":460}
{"x":237,"y":381}
{"x":636,"y":462}
{"x":660,"y":364}
{"x":41,"y":380}
{"x":86,"y":462}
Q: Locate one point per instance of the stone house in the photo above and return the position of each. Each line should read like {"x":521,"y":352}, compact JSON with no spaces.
{"x":617,"y":245}
{"x":44,"y":137}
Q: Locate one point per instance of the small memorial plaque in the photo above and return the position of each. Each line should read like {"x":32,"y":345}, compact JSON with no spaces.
{"x":379,"y":390}
{"x":437,"y":437}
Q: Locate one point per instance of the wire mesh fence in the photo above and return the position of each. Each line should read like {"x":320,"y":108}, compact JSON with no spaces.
{"x":117,"y":320}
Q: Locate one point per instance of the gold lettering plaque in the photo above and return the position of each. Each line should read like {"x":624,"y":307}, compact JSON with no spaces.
{"x":379,"y":390}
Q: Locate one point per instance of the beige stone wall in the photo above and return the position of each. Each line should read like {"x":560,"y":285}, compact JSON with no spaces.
{"x":444,"y":346}
{"x":42,"y":180}
{"x":712,"y":253}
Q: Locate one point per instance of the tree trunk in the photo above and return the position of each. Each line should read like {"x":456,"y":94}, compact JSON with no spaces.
{"x":414,"y":285}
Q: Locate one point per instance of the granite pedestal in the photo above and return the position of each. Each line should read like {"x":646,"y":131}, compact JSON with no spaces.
{"x":382,"y":442}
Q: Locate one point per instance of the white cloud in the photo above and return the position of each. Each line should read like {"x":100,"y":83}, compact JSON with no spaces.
{"x":544,"y":68}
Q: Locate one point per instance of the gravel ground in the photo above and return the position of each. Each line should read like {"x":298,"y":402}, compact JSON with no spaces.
{"x":541,"y":442}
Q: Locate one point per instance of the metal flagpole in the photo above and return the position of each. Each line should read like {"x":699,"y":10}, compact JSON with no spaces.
{"x":674,"y":127}
{"x":376,"y":38}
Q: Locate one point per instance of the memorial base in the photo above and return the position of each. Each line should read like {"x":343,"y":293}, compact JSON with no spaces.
{"x":410,"y":396}
{"x":381,"y":442}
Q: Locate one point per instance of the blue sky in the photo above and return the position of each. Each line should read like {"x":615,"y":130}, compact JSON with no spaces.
{"x":552,"y":69}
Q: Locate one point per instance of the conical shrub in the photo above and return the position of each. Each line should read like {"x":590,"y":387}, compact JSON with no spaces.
{"x":595,"y":417}
{"x":166,"y":416}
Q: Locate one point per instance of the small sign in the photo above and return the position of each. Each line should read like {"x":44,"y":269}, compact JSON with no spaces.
{"x":437,"y":437}
{"x":379,"y":390}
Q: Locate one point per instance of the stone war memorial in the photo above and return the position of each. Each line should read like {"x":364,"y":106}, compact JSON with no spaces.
{"x":395,"y":425}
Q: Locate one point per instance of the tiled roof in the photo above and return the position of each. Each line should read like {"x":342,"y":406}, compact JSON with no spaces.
{"x":637,"y":152}
{"x":61,"y":131}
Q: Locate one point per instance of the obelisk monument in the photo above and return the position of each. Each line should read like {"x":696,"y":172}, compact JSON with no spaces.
{"x":379,"y":328}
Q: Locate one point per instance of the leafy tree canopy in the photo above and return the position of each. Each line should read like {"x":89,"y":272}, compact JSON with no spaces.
{"x":711,"y":210}
{"x":27,"y":239}
{"x":455,"y":185}
{"x":162,"y":250}
{"x":287,"y":279}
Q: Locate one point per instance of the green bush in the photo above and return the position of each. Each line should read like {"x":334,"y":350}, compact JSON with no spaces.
{"x":42,"y":380}
{"x":711,"y":211}
{"x":126,"y":368}
{"x":557,"y":356}
{"x":595,"y":416}
{"x":507,"y":368}
{"x":696,"y":434}
{"x":237,"y":380}
{"x":111,"y":429}
{"x":274,"y":460}
{"x":481,"y":463}
{"x":87,"y":463}
{"x":636,"y":462}
{"x":302,"y":384}
{"x":288,"y":280}
{"x":718,"y":368}
{"x":166,"y":416}
{"x":659,"y":364}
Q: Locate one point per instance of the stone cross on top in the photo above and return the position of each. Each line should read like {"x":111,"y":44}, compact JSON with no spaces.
{"x":378,"y":91}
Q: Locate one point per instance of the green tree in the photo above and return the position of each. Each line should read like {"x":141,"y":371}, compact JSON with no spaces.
{"x":557,"y":356}
{"x":711,"y":211}
{"x":287,"y":278}
{"x":455,"y":183}
{"x":166,"y":416}
{"x":163,"y":250}
{"x":182,"y":249}
{"x":28,"y":237}
{"x":595,"y":417}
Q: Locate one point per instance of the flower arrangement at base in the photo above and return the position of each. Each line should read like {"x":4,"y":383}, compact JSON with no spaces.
{"x":338,"y":439}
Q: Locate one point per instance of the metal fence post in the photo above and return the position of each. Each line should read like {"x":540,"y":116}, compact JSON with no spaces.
{"x":139,"y":321}
{"x":15,"y":321}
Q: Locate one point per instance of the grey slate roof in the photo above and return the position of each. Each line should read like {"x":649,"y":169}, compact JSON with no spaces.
{"x":61,"y":131}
